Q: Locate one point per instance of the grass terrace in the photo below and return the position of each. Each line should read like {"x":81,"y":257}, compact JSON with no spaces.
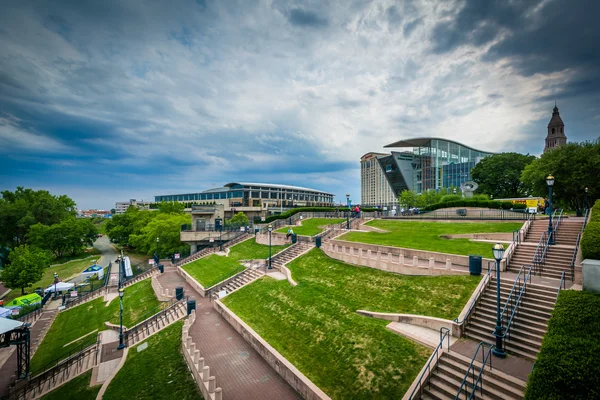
{"x":65,"y":272}
{"x":427,"y":235}
{"x":311,"y":226}
{"x":157,"y":372}
{"x":76,"y":389}
{"x":213,"y":269}
{"x":70,"y":328}
{"x":316,"y":327}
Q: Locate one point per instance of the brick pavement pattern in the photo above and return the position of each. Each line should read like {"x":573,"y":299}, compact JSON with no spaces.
{"x":240,"y":371}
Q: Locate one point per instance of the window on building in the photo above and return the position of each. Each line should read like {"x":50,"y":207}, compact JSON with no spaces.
{"x":553,"y":131}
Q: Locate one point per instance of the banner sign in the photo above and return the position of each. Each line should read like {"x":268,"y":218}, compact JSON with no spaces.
{"x":128,"y":271}
{"x":151,"y":261}
{"x":74,"y":293}
{"x":177,"y":256}
{"x":211,"y":240}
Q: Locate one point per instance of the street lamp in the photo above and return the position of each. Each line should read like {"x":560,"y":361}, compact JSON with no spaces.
{"x":270,"y":229}
{"x":550,"y":182}
{"x":454,"y":190}
{"x":587,"y":204}
{"x":157,"y":256}
{"x":498,"y":351}
{"x":55,"y":282}
{"x":491,"y":197}
{"x":121,"y":345}
{"x":348,"y":212}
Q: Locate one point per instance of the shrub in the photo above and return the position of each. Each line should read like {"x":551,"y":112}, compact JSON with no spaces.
{"x":450,"y":197}
{"x":476,"y":203}
{"x":568,"y":365}
{"x":595,"y":212}
{"x":590,"y":242}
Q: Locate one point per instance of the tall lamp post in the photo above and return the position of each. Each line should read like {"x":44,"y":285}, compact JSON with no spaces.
{"x":348,"y":212}
{"x":270,"y":229}
{"x":550,"y":182}
{"x":498,"y":351}
{"x":157,"y":256}
{"x":55,"y":282}
{"x":587,"y":204}
{"x":121,"y":344}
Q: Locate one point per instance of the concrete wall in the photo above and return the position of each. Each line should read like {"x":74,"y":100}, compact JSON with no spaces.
{"x":399,"y":260}
{"x":417,"y":320}
{"x":286,"y":369}
{"x":277,"y":239}
{"x":591,"y":275}
{"x":193,"y":283}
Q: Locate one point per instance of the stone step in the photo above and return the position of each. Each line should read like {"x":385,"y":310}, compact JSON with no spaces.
{"x":526,"y":301}
{"x":531,"y":291}
{"x":514,"y":347}
{"x":515,"y":330}
{"x":489,"y":308}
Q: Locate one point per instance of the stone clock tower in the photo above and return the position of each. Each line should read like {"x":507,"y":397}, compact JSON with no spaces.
{"x":556,"y":131}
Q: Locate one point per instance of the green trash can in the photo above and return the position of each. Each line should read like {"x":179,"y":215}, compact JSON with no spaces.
{"x":161,"y":268}
{"x":474,"y":265}
{"x":191,"y":305}
{"x":294,"y":238}
{"x":318,"y":241}
{"x":179,"y":292}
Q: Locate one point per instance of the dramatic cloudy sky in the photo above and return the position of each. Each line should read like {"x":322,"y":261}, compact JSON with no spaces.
{"x":112,"y":100}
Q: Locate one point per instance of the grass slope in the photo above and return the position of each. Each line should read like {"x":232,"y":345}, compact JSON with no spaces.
{"x":426,"y":235}
{"x":139,"y":300}
{"x":76,"y":389}
{"x":158,"y":372}
{"x":568,"y":365}
{"x":213,"y":269}
{"x":310,"y":227}
{"x":65,"y":271}
{"x":315,"y":326}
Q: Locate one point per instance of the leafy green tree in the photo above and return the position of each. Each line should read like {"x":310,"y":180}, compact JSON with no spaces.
{"x":21,"y":209}
{"x":71,"y":235}
{"x":239,"y":219}
{"x":574,"y":166}
{"x":500,"y":175}
{"x":26,"y":267}
{"x":167,"y":228}
{"x":170,"y":207}
{"x":120,"y":227}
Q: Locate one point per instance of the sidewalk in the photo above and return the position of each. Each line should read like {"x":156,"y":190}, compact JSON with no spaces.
{"x":240,"y":371}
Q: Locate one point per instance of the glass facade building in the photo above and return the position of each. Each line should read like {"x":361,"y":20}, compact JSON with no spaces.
{"x":422,"y":164}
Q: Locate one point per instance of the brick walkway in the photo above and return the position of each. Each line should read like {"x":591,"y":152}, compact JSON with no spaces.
{"x":239,"y":370}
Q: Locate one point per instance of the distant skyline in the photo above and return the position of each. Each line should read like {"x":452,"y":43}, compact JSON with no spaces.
{"x":115,"y":100}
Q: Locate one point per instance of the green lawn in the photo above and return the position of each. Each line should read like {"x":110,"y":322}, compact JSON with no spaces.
{"x":315,"y":326}
{"x":213,"y":269}
{"x":158,"y":372}
{"x":426,"y":235}
{"x":76,"y":389}
{"x":64,"y":271}
{"x":310,"y":227}
{"x":91,"y":251}
{"x":139,"y":300}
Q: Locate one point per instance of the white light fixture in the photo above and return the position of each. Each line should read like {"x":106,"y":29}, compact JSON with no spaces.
{"x":550,"y":180}
{"x":121,"y":293}
{"x":498,"y":250}
{"x":270,"y":227}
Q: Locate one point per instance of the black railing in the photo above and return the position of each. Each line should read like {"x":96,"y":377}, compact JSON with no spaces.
{"x":73,"y":353}
{"x":561,"y":284}
{"x":514,"y":306}
{"x":539,"y":257}
{"x":476,"y":380}
{"x":511,"y":300}
{"x":425,"y":376}
{"x":131,"y":336}
{"x":502,"y":215}
{"x":577,"y":243}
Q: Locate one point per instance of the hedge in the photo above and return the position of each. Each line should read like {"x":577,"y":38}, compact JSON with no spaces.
{"x":595,"y":212}
{"x":294,"y":211}
{"x":568,"y":365}
{"x":476,"y":203}
{"x":590,"y":242}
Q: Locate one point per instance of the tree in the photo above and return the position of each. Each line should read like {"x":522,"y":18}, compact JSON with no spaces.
{"x":574,"y":166}
{"x":500,"y":175}
{"x":21,"y":209}
{"x":26,"y":267}
{"x":239,"y":219}
{"x":71,"y":235}
{"x":167,"y":228}
{"x":170,"y":207}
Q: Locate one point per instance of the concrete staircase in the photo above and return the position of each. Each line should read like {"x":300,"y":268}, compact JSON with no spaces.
{"x":155,"y":323}
{"x":567,"y":232}
{"x":537,"y":228}
{"x":195,"y":256}
{"x":451,"y":369}
{"x":282,"y":258}
{"x":558,"y":259}
{"x":529,"y":324}
{"x":248,"y":276}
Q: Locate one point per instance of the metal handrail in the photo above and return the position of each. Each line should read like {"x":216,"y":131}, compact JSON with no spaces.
{"x":557,"y":221}
{"x":517,"y":304}
{"x":577,"y":243}
{"x":443,"y":334}
{"x":485,"y":356}
{"x":539,"y":257}
{"x":562,"y":284}
{"x":510,"y":301}
{"x":66,"y":356}
{"x":478,"y":295}
{"x":153,"y":319}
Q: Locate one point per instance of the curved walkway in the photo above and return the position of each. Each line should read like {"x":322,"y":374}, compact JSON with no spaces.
{"x":239,"y":370}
